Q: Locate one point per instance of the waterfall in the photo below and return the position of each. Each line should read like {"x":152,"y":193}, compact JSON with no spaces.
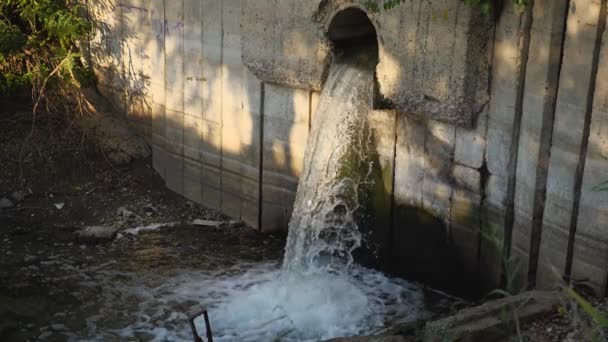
{"x":320,"y":292}
{"x":323,"y":232}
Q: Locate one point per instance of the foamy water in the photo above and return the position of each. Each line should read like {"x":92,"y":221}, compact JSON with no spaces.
{"x":251,"y":302}
{"x":319,"y":292}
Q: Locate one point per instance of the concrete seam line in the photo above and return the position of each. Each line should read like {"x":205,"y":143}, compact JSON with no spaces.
{"x":509,"y":221}
{"x":221,"y":195}
{"x":544,"y":154}
{"x":580,"y":168}
{"x":261,"y":156}
{"x":391,"y":228}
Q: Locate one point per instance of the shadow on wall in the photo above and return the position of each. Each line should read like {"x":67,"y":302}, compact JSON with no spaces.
{"x":176,"y":72}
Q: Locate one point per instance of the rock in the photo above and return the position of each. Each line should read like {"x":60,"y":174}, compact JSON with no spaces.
{"x":486,"y":322}
{"x":149,"y":208}
{"x":206,"y":223}
{"x":96,"y":233}
{"x":6,"y":203}
{"x":122,"y":211}
{"x":19,"y":196}
{"x":58,"y":327}
{"x":45,"y":335}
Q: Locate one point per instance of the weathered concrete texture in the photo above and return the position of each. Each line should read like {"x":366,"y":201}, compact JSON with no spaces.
{"x":591,"y":242}
{"x":502,"y":120}
{"x":441,"y":72}
{"x":286,"y":126}
{"x":498,"y":143}
{"x":290,"y":52}
{"x":240,"y":124}
{"x":465,"y":217}
{"x":439,"y":157}
{"x":193,"y":79}
{"x":154,"y":67}
{"x":409,"y":161}
{"x":174,"y":103}
{"x":383,"y":125}
{"x":536,"y":122}
{"x":436,"y":216}
{"x":570,"y":115}
{"x":212,"y":94}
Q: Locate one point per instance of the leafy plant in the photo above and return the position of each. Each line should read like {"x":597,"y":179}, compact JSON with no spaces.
{"x":39,"y":49}
{"x":599,"y":318}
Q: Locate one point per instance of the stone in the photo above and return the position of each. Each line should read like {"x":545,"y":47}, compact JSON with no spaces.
{"x":486,"y":322}
{"x":149,"y":208}
{"x":122,"y":211}
{"x":19,"y":196}
{"x":59,"y":327}
{"x":206,"y":223}
{"x":6,"y":203}
{"x":97,"y":233}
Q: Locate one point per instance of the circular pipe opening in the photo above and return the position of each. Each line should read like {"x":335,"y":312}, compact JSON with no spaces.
{"x":351,"y":30}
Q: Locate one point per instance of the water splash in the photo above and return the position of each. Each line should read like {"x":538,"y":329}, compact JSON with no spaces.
{"x":323,"y":231}
{"x":319,"y":292}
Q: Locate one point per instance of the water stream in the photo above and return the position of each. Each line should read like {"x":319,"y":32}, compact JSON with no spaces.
{"x":320,"y":292}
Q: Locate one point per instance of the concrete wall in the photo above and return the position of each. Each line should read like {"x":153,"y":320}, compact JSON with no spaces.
{"x":515,"y":187}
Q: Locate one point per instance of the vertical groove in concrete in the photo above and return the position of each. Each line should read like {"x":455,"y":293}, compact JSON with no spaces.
{"x":484,"y":170}
{"x":391,"y":228}
{"x":310,"y":113}
{"x":261,"y":156}
{"x":221,"y":129}
{"x":121,"y":30}
{"x":204,"y":74}
{"x":544,"y":154}
{"x":525,"y":29}
{"x":580,"y":169}
{"x":183,"y":79}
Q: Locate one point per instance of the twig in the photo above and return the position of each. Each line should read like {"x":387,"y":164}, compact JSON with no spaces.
{"x":35,"y":109}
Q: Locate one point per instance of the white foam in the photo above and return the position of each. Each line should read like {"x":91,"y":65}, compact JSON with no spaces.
{"x":252,"y":302}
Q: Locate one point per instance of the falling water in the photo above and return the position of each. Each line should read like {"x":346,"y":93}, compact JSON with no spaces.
{"x":323,"y":230}
{"x":319,"y":292}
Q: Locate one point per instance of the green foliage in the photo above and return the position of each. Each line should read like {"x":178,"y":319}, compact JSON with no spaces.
{"x":599,"y":318}
{"x":39,"y":42}
{"x":11,"y":38}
